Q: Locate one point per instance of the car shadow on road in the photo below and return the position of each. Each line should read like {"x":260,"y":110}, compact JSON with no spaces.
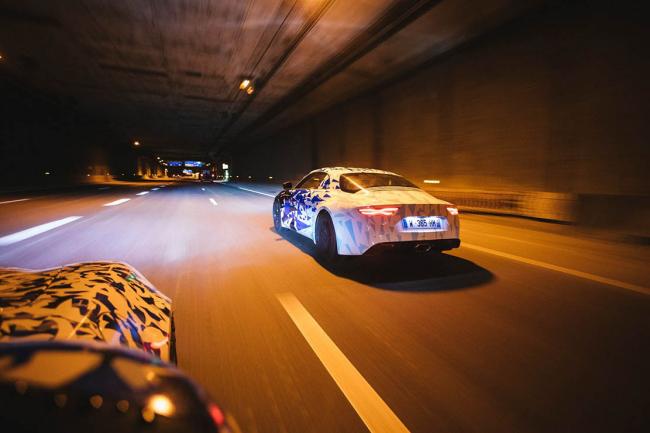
{"x":402,"y":272}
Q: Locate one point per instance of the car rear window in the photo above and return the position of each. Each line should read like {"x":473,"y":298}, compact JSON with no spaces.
{"x":353,"y":182}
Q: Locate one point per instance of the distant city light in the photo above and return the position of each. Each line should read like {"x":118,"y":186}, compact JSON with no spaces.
{"x":244,"y":84}
{"x":270,"y":177}
{"x":224,"y":166}
{"x":136,"y":143}
{"x":431,"y":181}
{"x":47,"y":173}
{"x":1,"y":57}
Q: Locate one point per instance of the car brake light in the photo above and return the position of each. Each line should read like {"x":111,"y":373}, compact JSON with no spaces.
{"x":379,"y":210}
{"x":216,"y":414}
{"x":452,"y":210}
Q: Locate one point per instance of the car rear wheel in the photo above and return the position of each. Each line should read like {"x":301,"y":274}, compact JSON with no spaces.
{"x":326,"y":239}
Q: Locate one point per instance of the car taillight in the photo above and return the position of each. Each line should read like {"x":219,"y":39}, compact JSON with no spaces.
{"x":216,"y":414}
{"x":379,"y":210}
{"x":452,"y":210}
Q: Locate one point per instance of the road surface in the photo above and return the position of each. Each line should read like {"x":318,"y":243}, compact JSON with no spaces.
{"x":527,"y":327}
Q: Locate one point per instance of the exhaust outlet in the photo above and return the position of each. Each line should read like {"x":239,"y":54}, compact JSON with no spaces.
{"x":423,"y":248}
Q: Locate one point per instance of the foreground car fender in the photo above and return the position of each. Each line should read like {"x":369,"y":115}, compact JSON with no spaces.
{"x":95,"y":301}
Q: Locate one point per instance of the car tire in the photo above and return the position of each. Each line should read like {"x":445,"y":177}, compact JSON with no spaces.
{"x":325,"y":238}
{"x":277,"y":224}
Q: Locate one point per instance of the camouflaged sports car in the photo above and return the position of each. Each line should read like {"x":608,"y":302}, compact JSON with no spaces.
{"x":100,"y":301}
{"x":83,"y":348}
{"x":352,"y":211}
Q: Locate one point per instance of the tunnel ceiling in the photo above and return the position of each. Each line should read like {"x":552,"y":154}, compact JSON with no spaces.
{"x":167,"y":72}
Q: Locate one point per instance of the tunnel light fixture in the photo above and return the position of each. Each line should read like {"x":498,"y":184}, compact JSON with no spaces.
{"x":436,"y":181}
{"x":245,"y":83}
{"x":250,"y":90}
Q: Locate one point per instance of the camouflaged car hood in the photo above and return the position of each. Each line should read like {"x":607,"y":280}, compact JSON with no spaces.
{"x":100,"y":301}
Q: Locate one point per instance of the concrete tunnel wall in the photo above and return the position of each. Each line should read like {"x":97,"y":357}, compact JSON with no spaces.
{"x":548,"y":113}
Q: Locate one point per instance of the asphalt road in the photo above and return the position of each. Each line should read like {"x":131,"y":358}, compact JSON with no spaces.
{"x":528,"y":327}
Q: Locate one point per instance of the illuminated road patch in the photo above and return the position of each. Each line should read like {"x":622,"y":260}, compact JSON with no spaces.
{"x":143,"y":193}
{"x":37,"y":230}
{"x":213,"y":201}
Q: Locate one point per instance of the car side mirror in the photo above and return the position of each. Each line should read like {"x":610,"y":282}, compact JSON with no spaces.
{"x":287,"y":185}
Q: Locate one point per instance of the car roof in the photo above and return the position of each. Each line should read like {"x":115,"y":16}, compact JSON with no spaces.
{"x":344,"y":170}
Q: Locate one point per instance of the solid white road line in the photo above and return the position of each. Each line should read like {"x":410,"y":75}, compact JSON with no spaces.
{"x":37,"y":230}
{"x":143,"y":193}
{"x":117,"y":202}
{"x":372,"y":410}
{"x":14,"y":201}
{"x":213,"y":201}
{"x":573,"y":272}
{"x":155,"y":189}
{"x":256,"y":192}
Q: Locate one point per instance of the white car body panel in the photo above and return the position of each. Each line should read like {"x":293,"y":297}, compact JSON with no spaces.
{"x":357,"y":233}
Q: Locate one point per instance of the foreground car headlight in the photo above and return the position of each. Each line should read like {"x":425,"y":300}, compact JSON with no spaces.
{"x":452,"y":210}
{"x":378,"y":210}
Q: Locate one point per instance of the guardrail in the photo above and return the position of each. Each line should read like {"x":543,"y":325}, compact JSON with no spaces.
{"x":551,"y":206}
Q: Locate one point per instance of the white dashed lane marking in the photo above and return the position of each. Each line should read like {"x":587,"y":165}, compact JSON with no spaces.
{"x":14,"y":201}
{"x":373,"y":411}
{"x":37,"y":230}
{"x":255,"y":192}
{"x":117,"y":202}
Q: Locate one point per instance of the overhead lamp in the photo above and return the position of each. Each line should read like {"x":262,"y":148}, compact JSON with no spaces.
{"x":250,"y":90}
{"x":436,"y":181}
{"x":245,"y":83}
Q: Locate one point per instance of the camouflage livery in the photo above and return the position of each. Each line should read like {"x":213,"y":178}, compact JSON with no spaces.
{"x":357,"y":233}
{"x":97,"y":301}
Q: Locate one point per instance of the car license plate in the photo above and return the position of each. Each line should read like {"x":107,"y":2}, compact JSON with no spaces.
{"x":431,"y":224}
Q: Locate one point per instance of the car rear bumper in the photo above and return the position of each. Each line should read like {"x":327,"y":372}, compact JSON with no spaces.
{"x":414,"y":246}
